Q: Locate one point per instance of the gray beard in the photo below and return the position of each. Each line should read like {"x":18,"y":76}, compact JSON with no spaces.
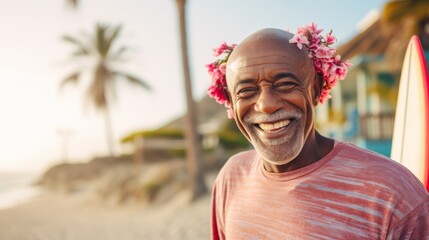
{"x":273,"y":151}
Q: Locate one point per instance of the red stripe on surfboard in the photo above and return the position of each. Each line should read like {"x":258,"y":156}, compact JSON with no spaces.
{"x":422,"y":60}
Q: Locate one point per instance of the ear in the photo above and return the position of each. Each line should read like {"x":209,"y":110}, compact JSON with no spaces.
{"x":317,"y":88}
{"x":227,"y":95}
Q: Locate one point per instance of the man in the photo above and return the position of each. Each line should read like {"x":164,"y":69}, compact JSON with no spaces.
{"x":298,"y":184}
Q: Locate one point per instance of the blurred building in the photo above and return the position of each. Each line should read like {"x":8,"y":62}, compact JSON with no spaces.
{"x":362,"y":108}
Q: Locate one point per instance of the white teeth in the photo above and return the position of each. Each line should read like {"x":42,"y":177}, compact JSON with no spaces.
{"x":274,"y":126}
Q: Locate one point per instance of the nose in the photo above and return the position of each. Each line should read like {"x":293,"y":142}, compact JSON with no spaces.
{"x":267,"y":101}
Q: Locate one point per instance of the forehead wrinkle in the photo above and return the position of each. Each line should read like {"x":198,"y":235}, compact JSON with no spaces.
{"x":257,"y":70}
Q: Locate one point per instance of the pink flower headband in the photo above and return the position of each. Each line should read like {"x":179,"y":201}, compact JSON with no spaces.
{"x":217,"y":71}
{"x":325,"y":62}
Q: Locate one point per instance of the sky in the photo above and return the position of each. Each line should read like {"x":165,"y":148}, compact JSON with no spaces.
{"x":34,"y":60}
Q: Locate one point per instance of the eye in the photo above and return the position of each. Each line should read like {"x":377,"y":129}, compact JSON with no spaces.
{"x":284,"y":85}
{"x":246,"y":92}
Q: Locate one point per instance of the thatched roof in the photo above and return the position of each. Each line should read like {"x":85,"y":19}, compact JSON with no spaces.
{"x":369,"y":42}
{"x":382,"y":38}
{"x":373,"y":41}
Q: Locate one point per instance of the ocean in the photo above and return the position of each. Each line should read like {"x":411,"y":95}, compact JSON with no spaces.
{"x":17,"y":188}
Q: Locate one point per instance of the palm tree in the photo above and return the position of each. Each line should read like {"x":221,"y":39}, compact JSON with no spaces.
{"x":198,"y":186}
{"x":73,"y":3}
{"x":100,"y":47}
{"x":407,"y":17}
{"x":399,"y":10}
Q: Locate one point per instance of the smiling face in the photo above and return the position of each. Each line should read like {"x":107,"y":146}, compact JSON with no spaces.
{"x":273,"y":93}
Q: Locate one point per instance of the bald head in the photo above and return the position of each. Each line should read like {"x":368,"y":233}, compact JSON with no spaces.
{"x":266,"y":43}
{"x":262,"y":38}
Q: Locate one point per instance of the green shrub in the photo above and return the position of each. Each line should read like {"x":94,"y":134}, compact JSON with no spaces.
{"x":158,"y":133}
{"x":231,"y":137}
{"x":231,"y":140}
{"x":179,"y":153}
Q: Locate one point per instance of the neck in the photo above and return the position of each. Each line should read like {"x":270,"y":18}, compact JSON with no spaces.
{"x":315,"y":148}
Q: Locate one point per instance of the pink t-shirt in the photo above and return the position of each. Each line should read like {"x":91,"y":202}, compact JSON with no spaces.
{"x":351,"y":193}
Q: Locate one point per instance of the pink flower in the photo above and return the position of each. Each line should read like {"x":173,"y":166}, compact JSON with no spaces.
{"x":217,"y":75}
{"x":313,"y":29}
{"x":325,"y":67}
{"x":211,"y":67}
{"x":315,"y":40}
{"x":217,"y":71}
{"x":223,"y":48}
{"x":325,"y":63}
{"x":219,"y":50}
{"x":222,"y":68}
{"x":299,"y":40}
{"x":340,"y":68}
{"x":324,"y":96}
{"x":346,"y":64}
{"x":341,"y":72}
{"x":317,"y":66}
{"x":217,"y":93}
{"x":324,"y":52}
{"x":330,"y":39}
{"x":331,"y":79}
{"x":303,"y":30}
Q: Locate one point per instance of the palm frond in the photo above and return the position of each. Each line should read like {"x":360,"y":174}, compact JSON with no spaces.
{"x":81,"y":53}
{"x":72,"y":78}
{"x":133,"y":80}
{"x":72,"y":40}
{"x":100,"y":39}
{"x":81,"y":48}
{"x":114,"y":33}
{"x":396,"y":10}
{"x":117,"y":55}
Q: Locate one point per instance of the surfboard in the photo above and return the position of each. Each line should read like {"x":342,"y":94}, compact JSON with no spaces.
{"x":410,"y":143}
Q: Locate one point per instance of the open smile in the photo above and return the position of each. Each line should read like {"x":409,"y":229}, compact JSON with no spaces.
{"x":275,"y":129}
{"x":274,"y":126}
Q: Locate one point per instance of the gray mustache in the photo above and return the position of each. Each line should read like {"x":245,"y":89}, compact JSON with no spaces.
{"x":279,"y":115}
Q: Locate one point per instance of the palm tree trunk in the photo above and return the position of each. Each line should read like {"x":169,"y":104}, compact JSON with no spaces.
{"x":109,"y":131}
{"x":194,"y":159}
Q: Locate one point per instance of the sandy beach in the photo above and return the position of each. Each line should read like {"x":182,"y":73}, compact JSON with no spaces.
{"x":56,"y":216}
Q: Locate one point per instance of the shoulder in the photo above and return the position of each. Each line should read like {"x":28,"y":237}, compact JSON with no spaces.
{"x":352,"y":151}
{"x":238,"y":165}
{"x":240,"y":162}
{"x":375,"y":179}
{"x":380,"y":173}
{"x":372,"y":162}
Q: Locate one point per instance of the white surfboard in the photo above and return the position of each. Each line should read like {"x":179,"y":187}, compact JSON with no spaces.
{"x":411,"y":130}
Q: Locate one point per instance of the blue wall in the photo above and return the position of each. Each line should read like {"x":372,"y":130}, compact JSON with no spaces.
{"x":381,"y":146}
